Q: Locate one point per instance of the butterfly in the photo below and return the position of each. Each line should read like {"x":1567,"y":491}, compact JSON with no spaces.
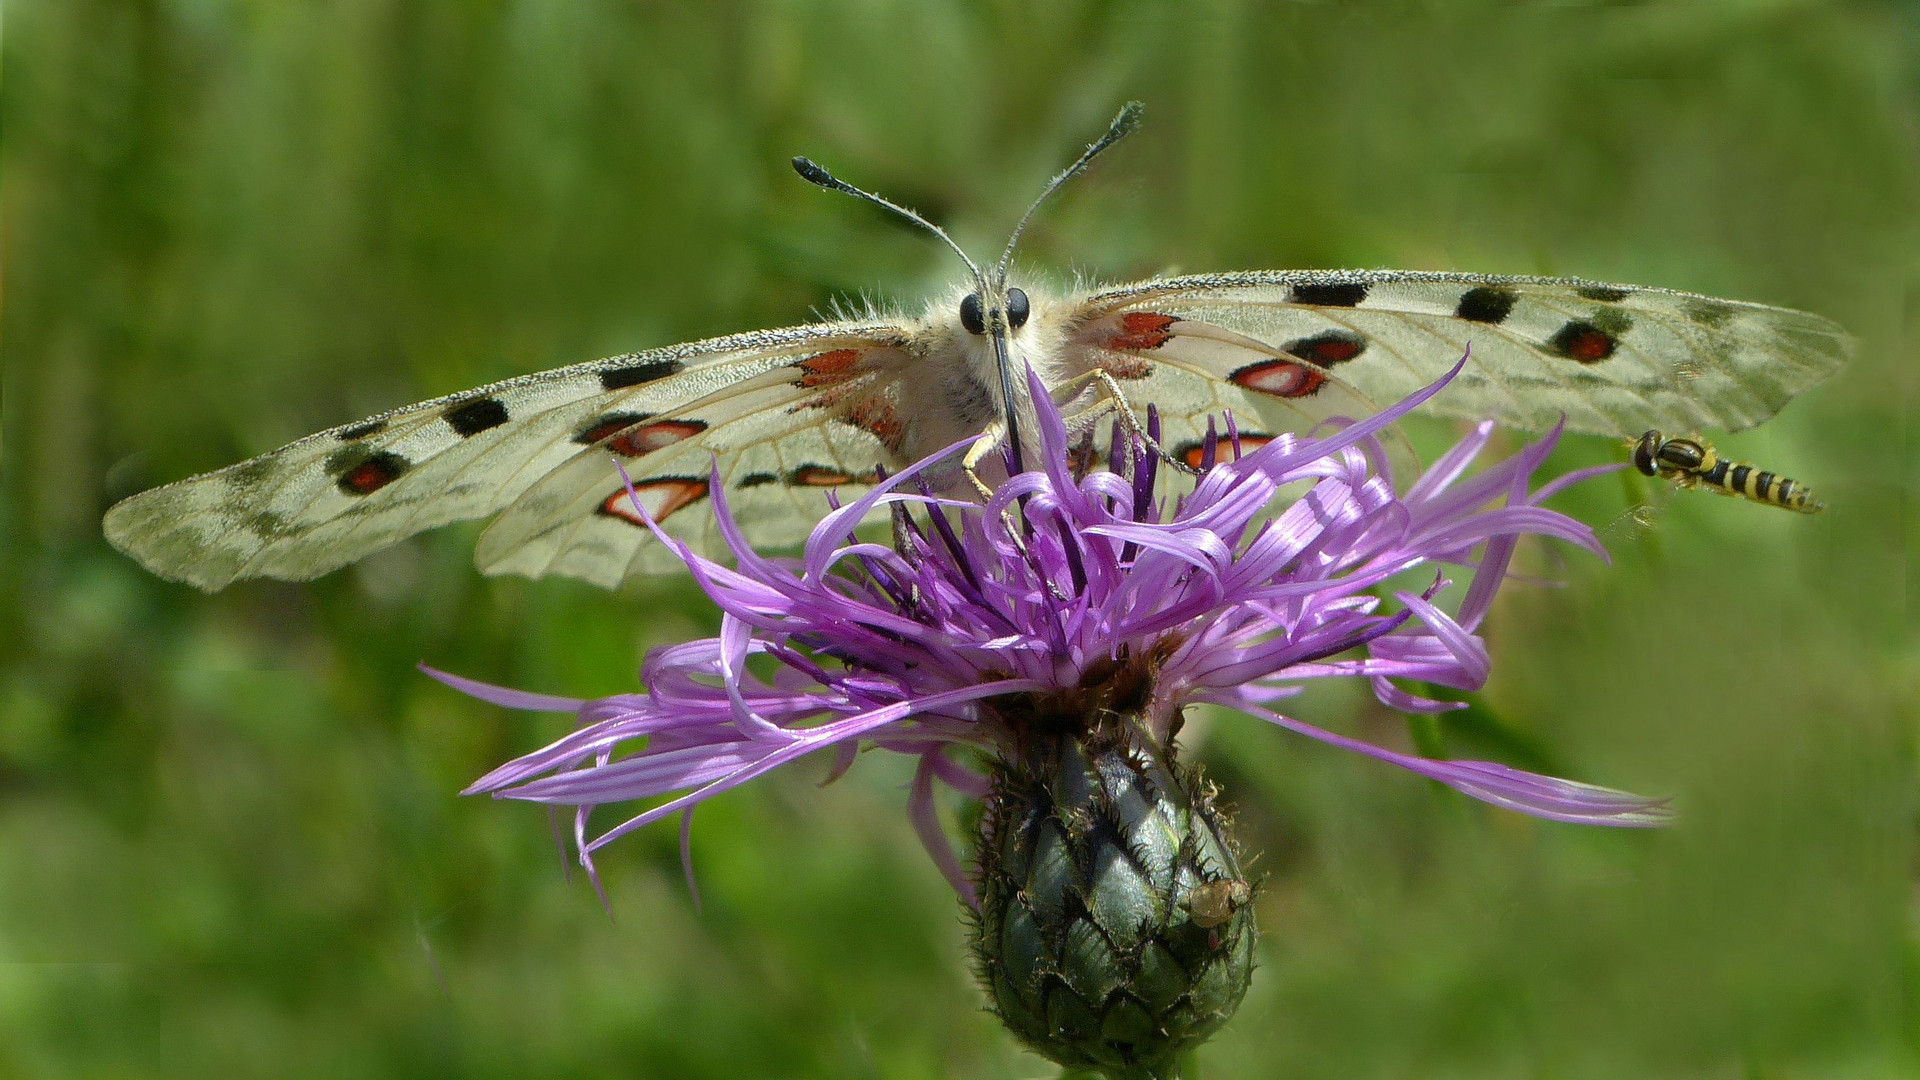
{"x":776,"y":416}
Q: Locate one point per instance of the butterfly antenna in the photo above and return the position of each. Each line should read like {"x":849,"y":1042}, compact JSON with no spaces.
{"x":813,"y":173}
{"x":1122,"y":126}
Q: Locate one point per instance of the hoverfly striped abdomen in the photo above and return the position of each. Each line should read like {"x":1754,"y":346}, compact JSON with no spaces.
{"x":1693,"y":462}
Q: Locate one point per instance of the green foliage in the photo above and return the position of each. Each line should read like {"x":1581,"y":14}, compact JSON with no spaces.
{"x":230,"y":840}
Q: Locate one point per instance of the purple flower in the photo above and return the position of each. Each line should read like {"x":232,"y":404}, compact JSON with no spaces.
{"x":1062,"y":589}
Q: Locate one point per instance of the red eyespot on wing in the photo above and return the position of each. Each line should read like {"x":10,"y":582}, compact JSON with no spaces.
{"x":1142,"y":330}
{"x":829,"y":367}
{"x":607,"y":425}
{"x":647,"y":438}
{"x":661,"y":496}
{"x":877,"y":417}
{"x":1281,"y":378}
{"x":1328,"y":349}
{"x":1195,"y":453}
{"x":376,"y":472}
{"x":1592,"y":345}
{"x":1582,"y":341}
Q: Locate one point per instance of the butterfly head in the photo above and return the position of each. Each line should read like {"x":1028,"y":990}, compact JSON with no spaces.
{"x":1008,"y":311}
{"x":991,"y":333}
{"x":992,"y":312}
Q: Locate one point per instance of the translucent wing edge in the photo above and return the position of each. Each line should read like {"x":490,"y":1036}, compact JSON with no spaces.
{"x":1820,"y":347}
{"x":1105,"y":299}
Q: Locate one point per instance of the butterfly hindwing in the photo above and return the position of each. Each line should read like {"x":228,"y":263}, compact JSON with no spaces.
{"x":326,"y":500}
{"x":1615,"y":359}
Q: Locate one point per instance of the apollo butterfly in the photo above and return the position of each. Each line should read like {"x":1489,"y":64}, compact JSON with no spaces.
{"x":774,"y":416}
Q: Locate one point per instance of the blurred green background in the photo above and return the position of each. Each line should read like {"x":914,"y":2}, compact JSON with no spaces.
{"x":230,"y":843}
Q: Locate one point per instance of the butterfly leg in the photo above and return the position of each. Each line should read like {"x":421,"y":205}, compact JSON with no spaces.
{"x":991,"y":438}
{"x":1116,"y":403}
{"x":1113,"y":401}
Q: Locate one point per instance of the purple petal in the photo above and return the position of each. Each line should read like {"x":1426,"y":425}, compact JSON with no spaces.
{"x":1578,"y":476}
{"x":504,"y":695}
{"x":1395,"y":698}
{"x":1467,"y":651}
{"x":686,"y":856}
{"x":836,"y":525}
{"x":1504,"y":786}
{"x":1448,"y":467}
{"x":735,"y":643}
{"x":926,"y":824}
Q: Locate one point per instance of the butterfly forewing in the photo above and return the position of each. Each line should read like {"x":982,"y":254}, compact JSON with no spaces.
{"x":776,"y":445}
{"x":326,"y":500}
{"x":1612,"y":358}
{"x":1193,"y":372}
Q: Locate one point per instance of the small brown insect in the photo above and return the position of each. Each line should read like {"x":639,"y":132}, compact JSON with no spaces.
{"x":1215,"y":902}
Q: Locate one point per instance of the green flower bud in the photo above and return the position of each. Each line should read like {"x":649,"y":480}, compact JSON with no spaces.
{"x":1115,"y":929}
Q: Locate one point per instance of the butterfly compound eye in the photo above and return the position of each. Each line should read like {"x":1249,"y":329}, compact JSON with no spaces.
{"x":1017,"y":308}
{"x":971,"y":316}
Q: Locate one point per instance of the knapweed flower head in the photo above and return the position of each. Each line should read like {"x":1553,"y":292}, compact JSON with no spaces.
{"x":1059,"y":630}
{"x":1052,"y":590}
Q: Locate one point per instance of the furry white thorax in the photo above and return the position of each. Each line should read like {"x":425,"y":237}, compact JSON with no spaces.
{"x":954,"y":384}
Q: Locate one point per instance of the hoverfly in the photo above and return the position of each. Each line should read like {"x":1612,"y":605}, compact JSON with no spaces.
{"x":1693,"y":462}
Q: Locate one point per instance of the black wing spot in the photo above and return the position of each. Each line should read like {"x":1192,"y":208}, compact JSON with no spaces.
{"x":1582,"y":341}
{"x":361,"y":473}
{"x":1612,"y":321}
{"x":1707,"y":313}
{"x":266,"y":524}
{"x":252,"y":472}
{"x":634,"y":374}
{"x":1330,"y":294}
{"x":811,"y":475}
{"x":1606,"y":294}
{"x":1328,"y":349}
{"x":1486,"y":305}
{"x":757,"y":479}
{"x":474,"y":417}
{"x":361,"y":431}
